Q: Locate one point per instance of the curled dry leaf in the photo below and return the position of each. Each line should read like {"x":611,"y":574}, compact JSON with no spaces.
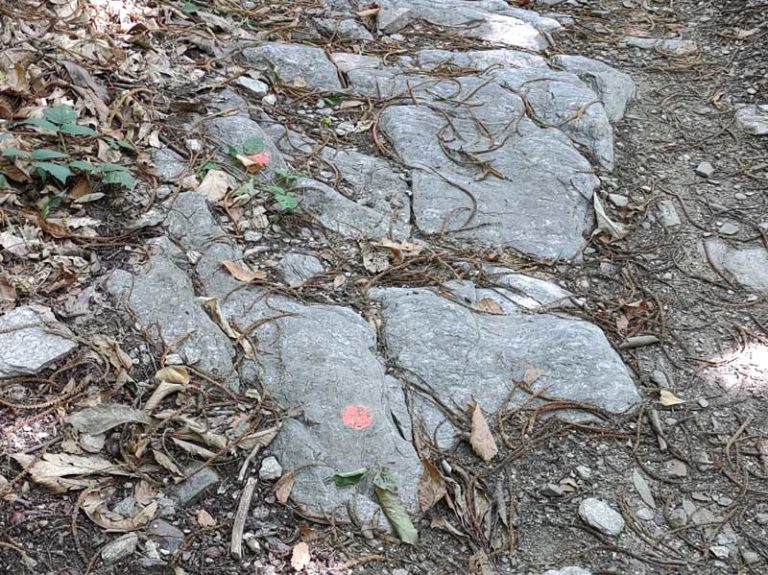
{"x":300,"y":556}
{"x":606,"y":224}
{"x":7,"y":295}
{"x":173,"y":374}
{"x":480,"y":437}
{"x":54,"y":470}
{"x":215,"y":185}
{"x":204,"y":519}
{"x":161,"y":392}
{"x":260,"y":438}
{"x":668,"y":399}
{"x":284,"y":486}
{"x":489,"y":305}
{"x":255,"y":163}
{"x":243,"y":274}
{"x":101,"y":418}
{"x":193,"y":448}
{"x":94,"y":504}
{"x":166,"y":462}
{"x":431,"y":486}
{"x":385,"y":490}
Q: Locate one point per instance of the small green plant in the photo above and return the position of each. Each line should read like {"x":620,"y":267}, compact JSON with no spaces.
{"x":60,"y":120}
{"x":281,"y":189}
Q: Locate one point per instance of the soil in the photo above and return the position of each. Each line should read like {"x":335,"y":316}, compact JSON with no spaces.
{"x":706,"y":454}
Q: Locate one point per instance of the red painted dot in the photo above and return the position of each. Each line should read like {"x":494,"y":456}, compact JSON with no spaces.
{"x":357,"y":416}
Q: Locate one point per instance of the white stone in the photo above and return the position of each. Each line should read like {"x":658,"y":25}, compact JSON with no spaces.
{"x":601,"y":516}
{"x":270,"y":469}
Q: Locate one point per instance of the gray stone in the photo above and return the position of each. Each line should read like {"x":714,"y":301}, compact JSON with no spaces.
{"x":375,"y":184}
{"x":30,"y":340}
{"x":753,"y":119}
{"x":489,"y":20}
{"x":668,"y":47}
{"x":668,"y":214}
{"x":552,"y":490}
{"x":618,"y":200}
{"x":169,"y":166}
{"x":728,"y":229}
{"x":295,"y":63}
{"x":528,"y":292}
{"x":125,"y":507}
{"x":344,"y":29}
{"x":459,"y":354}
{"x":119,"y":549}
{"x":601,"y":516}
{"x":270,"y":469}
{"x":167,"y":537}
{"x":720,"y":551}
{"x":645,"y":514}
{"x":256,"y":87}
{"x":196,"y":485}
{"x":298,"y":268}
{"x":746,"y":265}
{"x":676,"y":468}
{"x":750,"y":557}
{"x":91,"y":443}
{"x":479,"y":60}
{"x":705,"y":170}
{"x":346,"y":62}
{"x":762,"y":518}
{"x":568,"y":571}
{"x":320,"y":361}
{"x":616,"y":89}
{"x":677,"y":518}
{"x":161,"y":297}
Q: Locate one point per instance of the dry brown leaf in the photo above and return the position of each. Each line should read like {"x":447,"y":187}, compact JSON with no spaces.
{"x":260,"y":438}
{"x":431,"y":486}
{"x":54,"y":470}
{"x":94,"y":504}
{"x":164,"y":461}
{"x":480,"y":437}
{"x":300,"y":557}
{"x":7,"y":295}
{"x":161,"y":392}
{"x":215,"y":185}
{"x":241,"y":273}
{"x":489,"y":305}
{"x":284,"y":486}
{"x":194,"y":448}
{"x":204,"y":519}
{"x":173,"y":374}
{"x":532,"y":374}
{"x":668,"y":399}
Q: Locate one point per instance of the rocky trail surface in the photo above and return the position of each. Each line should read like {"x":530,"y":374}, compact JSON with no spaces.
{"x":407,"y":287}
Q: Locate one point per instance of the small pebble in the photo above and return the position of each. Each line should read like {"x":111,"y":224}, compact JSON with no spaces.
{"x":705,"y":170}
{"x":728,"y":229}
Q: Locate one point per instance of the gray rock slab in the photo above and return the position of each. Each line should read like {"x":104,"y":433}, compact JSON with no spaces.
{"x":568,"y":571}
{"x":542,"y":207}
{"x":753,"y":119}
{"x":292,"y":63}
{"x":119,"y":549}
{"x":488,"y":20}
{"x":528,"y":292}
{"x":189,"y":490}
{"x":616,"y":89}
{"x":30,"y":340}
{"x":344,"y":29}
{"x":746,"y":265}
{"x":320,"y":361}
{"x":666,"y":46}
{"x":376,"y":184}
{"x":346,"y":62}
{"x":459,"y":354}
{"x":601,"y":516}
{"x":298,"y":268}
{"x":169,"y":166}
{"x":168,"y":537}
{"x":343,"y":215}
{"x":162,"y":299}
{"x":479,"y":59}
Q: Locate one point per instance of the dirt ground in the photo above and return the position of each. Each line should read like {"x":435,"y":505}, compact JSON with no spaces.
{"x":704,"y":457}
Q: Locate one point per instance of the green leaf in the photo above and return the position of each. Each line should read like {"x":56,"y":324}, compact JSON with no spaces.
{"x":190,"y":8}
{"x":46,"y":154}
{"x":287,"y":200}
{"x":253,"y":146}
{"x":120,"y":178}
{"x":385,"y":490}
{"x":288,"y":176}
{"x":348,"y":478}
{"x":332,"y":100}
{"x":76,"y":130}
{"x":247,"y":188}
{"x":115,"y":144}
{"x":42,"y":124}
{"x":14,"y":153}
{"x":60,"y":115}
{"x":232,"y":151}
{"x":58,"y":171}
{"x":84,"y":166}
{"x":208,"y":166}
{"x":3,"y":182}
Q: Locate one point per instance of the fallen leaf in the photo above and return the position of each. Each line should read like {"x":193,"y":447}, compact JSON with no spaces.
{"x":385,"y":490}
{"x":193,"y":448}
{"x":260,"y":438}
{"x":480,"y":437}
{"x":53,"y":470}
{"x":215,"y":185}
{"x":101,"y":418}
{"x":668,"y":399}
{"x":204,"y":519}
{"x":173,"y":374}
{"x":161,"y":392}
{"x":284,"y":486}
{"x":479,"y":564}
{"x":643,"y":489}
{"x":604,"y":223}
{"x":94,"y":505}
{"x":532,"y":374}
{"x":490,"y":306}
{"x":255,"y":163}
{"x":243,"y":274}
{"x":164,"y":461}
{"x":431,"y":486}
{"x":7,"y":295}
{"x":762,"y":448}
{"x":374,"y":261}
{"x":300,"y":556}
{"x":349,"y":478}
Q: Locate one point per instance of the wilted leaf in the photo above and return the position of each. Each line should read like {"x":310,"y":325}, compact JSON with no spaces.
{"x":375,"y":261}
{"x":490,"y":306}
{"x":204,"y":519}
{"x":349,"y":478}
{"x":604,"y":223}
{"x":241,"y":273}
{"x":254,"y":163}
{"x":300,"y":556}
{"x":480,"y":437}
{"x":261,"y":438}
{"x":53,"y":470}
{"x":102,"y":418}
{"x":386,"y":494}
{"x":215,"y":185}
{"x":164,"y":461}
{"x":173,"y":374}
{"x":46,"y":154}
{"x":94,"y":504}
{"x":7,"y":295}
{"x":668,"y":399}
{"x":193,"y":448}
{"x":284,"y":486}
{"x":431,"y":486}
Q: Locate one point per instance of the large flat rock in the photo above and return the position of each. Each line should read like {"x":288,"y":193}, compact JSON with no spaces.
{"x":745,"y":265}
{"x":296,"y":65}
{"x":457,"y":353}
